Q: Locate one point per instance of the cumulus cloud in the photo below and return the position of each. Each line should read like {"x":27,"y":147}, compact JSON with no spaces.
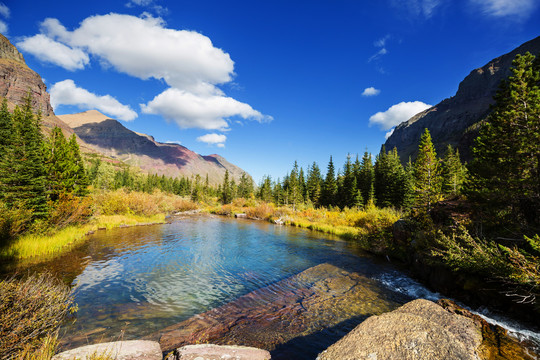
{"x":371,"y":91}
{"x":208,"y":111}
{"x":67,"y":93}
{"x":144,"y":48}
{"x":396,"y":114}
{"x":506,"y":8}
{"x":54,"y":52}
{"x":213,"y":139}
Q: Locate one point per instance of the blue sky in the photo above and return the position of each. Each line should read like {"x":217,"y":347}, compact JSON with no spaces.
{"x":263,"y":83}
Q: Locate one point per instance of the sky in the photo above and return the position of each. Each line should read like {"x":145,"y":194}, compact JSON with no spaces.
{"x":263,"y":83}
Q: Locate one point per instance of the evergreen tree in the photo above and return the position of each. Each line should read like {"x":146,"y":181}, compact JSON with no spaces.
{"x":452,"y":172}
{"x":366,"y":178}
{"x":314,"y":184}
{"x":22,"y":172}
{"x":329,"y":189}
{"x":505,"y":171}
{"x":265,"y":189}
{"x":427,"y":179}
{"x":226,"y":189}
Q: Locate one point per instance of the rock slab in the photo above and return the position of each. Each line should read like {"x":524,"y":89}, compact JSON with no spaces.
{"x":216,"y":352}
{"x":419,"y":329}
{"x":119,"y":350}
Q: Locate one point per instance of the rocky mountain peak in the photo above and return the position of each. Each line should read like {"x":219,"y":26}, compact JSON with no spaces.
{"x":10,"y":52}
{"x":455,"y":120}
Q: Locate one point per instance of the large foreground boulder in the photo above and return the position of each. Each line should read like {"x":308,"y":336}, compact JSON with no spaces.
{"x":422,"y":329}
{"x":119,"y":350}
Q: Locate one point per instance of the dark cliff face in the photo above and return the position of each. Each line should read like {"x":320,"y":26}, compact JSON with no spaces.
{"x":456,"y":120}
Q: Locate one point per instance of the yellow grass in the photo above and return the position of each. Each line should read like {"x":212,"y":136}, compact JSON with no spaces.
{"x":43,"y":247}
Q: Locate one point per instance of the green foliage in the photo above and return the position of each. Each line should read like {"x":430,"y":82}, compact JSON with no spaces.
{"x":392,"y":182}
{"x":330,"y":188}
{"x":505,"y":174}
{"x":427,"y":178}
{"x":453,"y":173}
{"x":22,"y":169}
{"x":31,"y":311}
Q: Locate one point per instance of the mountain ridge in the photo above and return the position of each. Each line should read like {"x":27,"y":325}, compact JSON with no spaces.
{"x":455,"y":120}
{"x":113,"y":139}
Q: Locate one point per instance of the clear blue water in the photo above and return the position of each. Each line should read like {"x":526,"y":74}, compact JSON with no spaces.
{"x":133,"y":282}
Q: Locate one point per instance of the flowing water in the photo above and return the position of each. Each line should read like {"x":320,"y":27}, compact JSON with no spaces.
{"x":133,"y":282}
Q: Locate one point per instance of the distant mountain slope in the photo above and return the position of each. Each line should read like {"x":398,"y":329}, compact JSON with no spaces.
{"x":113,"y":139}
{"x":455,"y":120}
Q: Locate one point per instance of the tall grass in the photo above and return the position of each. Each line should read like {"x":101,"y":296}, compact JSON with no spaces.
{"x":371,"y":226}
{"x":110,"y":209}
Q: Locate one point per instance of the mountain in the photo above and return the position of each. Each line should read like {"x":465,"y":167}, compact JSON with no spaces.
{"x":456,"y":120}
{"x":111,"y":138}
{"x":17,"y":79}
{"x":98,"y":133}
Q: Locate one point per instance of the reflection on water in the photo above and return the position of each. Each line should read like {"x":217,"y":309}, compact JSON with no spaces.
{"x":134,"y":282}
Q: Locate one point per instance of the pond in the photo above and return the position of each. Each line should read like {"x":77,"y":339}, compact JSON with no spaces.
{"x":134,"y":282}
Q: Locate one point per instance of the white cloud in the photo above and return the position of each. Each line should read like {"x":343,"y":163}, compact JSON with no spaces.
{"x":144,"y":48}
{"x":389,"y":133}
{"x":67,"y":93}
{"x":419,"y":8}
{"x":503,"y":8}
{"x":213,"y":139}
{"x":371,"y":91}
{"x":54,"y":52}
{"x":396,"y":114}
{"x":4,"y":10}
{"x":206,"y":111}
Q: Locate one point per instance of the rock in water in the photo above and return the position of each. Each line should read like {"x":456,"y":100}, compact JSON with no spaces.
{"x":425,"y":330}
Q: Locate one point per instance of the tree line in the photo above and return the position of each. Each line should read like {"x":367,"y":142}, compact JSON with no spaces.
{"x":382,"y":181}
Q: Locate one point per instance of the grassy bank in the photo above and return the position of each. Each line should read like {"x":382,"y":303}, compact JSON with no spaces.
{"x":370,"y":226}
{"x":102,"y":210}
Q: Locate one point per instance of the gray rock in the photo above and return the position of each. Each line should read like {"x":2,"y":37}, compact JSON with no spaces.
{"x":216,"y":352}
{"x":119,"y":350}
{"x":419,"y":329}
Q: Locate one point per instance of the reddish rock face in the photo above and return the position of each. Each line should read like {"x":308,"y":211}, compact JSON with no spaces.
{"x":17,"y":79}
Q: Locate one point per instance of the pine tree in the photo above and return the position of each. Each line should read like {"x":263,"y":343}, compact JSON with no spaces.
{"x":329,"y":190}
{"x":314,"y":184}
{"x":452,"y":172}
{"x":365,"y":178}
{"x":226,"y":191}
{"x":427,"y":179}
{"x":22,"y":172}
{"x":505,"y":171}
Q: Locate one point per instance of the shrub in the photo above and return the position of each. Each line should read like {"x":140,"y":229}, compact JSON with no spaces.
{"x":13,"y":222}
{"x":70,"y":209}
{"x":31,"y":312}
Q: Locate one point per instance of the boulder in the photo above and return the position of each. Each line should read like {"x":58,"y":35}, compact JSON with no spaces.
{"x":419,"y":329}
{"x":119,"y":350}
{"x":217,"y":352}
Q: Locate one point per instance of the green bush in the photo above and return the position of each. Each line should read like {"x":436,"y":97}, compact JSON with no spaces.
{"x":31,"y":311}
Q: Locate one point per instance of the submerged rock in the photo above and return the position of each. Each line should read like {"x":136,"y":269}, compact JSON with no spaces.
{"x":119,"y":350}
{"x":319,"y":305}
{"x":217,"y":352}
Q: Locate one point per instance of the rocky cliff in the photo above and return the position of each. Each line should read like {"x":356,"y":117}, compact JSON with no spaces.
{"x":17,"y":80}
{"x":113,"y":139}
{"x":456,"y":120}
